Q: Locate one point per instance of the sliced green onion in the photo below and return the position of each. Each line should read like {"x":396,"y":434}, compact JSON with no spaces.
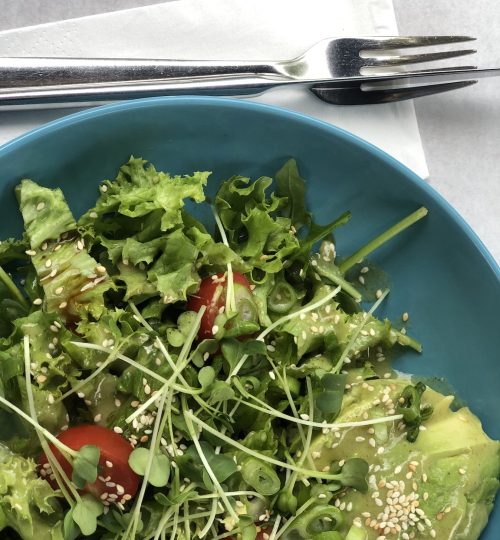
{"x":281,"y":298}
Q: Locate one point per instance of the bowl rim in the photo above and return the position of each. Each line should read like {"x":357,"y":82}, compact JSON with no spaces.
{"x":238,"y":103}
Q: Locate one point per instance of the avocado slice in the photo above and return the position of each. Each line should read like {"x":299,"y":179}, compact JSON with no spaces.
{"x":441,"y":486}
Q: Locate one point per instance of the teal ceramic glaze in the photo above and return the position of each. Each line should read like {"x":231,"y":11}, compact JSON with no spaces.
{"x":439,"y":271}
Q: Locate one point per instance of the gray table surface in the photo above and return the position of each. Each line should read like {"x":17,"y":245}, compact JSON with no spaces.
{"x":460,"y":130}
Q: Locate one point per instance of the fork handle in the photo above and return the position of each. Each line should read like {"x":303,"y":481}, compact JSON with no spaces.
{"x":15,"y":72}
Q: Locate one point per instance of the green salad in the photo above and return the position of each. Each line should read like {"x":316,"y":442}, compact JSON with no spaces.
{"x":161,"y":378}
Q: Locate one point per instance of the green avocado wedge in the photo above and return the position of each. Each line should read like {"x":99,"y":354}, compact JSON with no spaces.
{"x":441,"y":486}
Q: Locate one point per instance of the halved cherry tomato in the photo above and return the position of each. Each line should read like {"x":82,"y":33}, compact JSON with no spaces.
{"x":212,"y":294}
{"x":115,"y":477}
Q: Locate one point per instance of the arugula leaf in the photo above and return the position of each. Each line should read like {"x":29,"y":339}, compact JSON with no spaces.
{"x":290,"y":186}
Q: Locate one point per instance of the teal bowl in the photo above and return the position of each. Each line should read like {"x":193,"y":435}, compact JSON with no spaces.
{"x":440,"y":273}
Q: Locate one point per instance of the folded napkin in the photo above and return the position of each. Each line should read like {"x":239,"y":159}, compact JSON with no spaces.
{"x":238,"y":29}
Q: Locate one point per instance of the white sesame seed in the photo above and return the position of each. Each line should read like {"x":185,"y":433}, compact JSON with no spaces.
{"x":104,"y":496}
{"x":30,"y":252}
{"x":97,"y":418}
{"x":462,"y":471}
{"x":304,"y":416}
{"x":378,"y":294}
{"x":41,"y":379}
{"x":37,"y":302}
{"x":62,"y":305}
{"x":380,"y":450}
{"x":40,"y":206}
{"x":93,"y":215}
{"x":215,"y":329}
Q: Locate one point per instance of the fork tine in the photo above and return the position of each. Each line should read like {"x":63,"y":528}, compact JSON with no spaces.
{"x":401,"y":42}
{"x":399,"y":60}
{"x":354,"y":95}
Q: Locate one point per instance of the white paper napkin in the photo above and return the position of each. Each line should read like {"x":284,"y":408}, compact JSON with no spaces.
{"x":238,"y":29}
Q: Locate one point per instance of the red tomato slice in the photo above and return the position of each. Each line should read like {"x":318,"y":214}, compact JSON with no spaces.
{"x":116,"y":481}
{"x":212,"y":294}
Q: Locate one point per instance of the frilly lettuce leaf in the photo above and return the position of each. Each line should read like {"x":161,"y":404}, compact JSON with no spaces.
{"x":52,"y":368}
{"x":174,"y":273}
{"x":256,"y":229}
{"x":76,"y":291}
{"x":45,"y":213}
{"x":139,"y":189}
{"x":27,"y":503}
{"x":70,"y":277}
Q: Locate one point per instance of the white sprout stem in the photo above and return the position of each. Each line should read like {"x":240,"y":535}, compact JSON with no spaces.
{"x":272,"y":534}
{"x":307,"y":443}
{"x":356,"y":333}
{"x":187,"y":524}
{"x":249,"y":451}
{"x":210,"y":520}
{"x":230,"y":299}
{"x":139,"y":318}
{"x":189,"y":417}
{"x":309,"y":428}
{"x":295,"y":314}
{"x":137,"y":510}
{"x":174,"y":523}
{"x":286,"y":387}
{"x":299,"y":512}
{"x":47,"y":434}
{"x":333,"y":426}
{"x":120,"y":357}
{"x":182,"y":363}
{"x":58,"y":471}
{"x":163,"y":521}
{"x":283,"y":320}
{"x":231,"y":494}
{"x":111,"y":357}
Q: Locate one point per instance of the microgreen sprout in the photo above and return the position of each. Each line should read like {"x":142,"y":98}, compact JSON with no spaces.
{"x":414,"y":414}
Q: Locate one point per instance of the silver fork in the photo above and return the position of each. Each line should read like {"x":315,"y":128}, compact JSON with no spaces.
{"x":336,"y":59}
